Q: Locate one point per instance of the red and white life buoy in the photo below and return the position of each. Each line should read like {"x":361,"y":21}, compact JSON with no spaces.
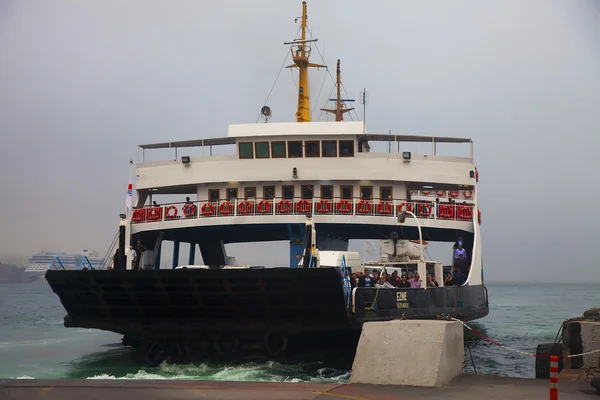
{"x":171,"y":212}
{"x":323,"y":206}
{"x":440,"y":193}
{"x":344,"y":207}
{"x":153,"y":214}
{"x":264,"y":206}
{"x":303,"y":206}
{"x":468,"y":194}
{"x":446,"y":211}
{"x":284,"y":206}
{"x":138,"y":215}
{"x":363,"y":206}
{"x":225,"y":208}
{"x":424,"y":210}
{"x":454,"y":193}
{"x":207,"y":209}
{"x":189,"y":210}
{"x":425,"y":192}
{"x":405,"y":204}
{"x":244,"y":207}
{"x":465,"y":213}
{"x":384,"y":207}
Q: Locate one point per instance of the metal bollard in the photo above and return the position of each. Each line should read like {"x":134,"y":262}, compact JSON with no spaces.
{"x":553,"y":378}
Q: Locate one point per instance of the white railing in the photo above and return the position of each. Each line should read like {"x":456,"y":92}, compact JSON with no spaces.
{"x":315,"y":206}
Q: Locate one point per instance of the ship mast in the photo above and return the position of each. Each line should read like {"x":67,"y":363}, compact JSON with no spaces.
{"x":300,"y":54}
{"x":339,"y":102}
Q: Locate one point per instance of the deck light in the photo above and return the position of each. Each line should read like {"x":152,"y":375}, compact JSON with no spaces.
{"x":295,"y":172}
{"x":185,"y":160}
{"x":406,"y":155}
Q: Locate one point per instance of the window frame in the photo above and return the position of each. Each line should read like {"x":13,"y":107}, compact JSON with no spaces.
{"x":361,"y":192}
{"x":332,"y":193}
{"x":302,"y":187}
{"x":211,"y":191}
{"x":246,"y":197}
{"x":391,"y":188}
{"x":301,"y":148}
{"x":283,"y":191}
{"x":342,"y":192}
{"x":340,"y":148}
{"x":318,"y":143}
{"x":256,"y":150}
{"x":228,"y":196}
{"x":240,"y":150}
{"x":284,"y":149}
{"x":265,"y":192}
{"x":335,"y":148}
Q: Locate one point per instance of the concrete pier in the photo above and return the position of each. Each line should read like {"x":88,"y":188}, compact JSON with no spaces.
{"x":412,"y":353}
{"x":466,"y":387}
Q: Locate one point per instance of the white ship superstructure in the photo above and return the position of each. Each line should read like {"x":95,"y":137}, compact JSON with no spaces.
{"x":39,"y":263}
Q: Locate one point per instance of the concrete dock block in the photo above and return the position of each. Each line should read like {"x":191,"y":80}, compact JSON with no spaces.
{"x":411,"y":353}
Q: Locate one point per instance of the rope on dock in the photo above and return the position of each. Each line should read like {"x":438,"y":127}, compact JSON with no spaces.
{"x":525,"y":353}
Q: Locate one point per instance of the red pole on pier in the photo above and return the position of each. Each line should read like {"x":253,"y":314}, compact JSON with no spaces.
{"x":553,"y":378}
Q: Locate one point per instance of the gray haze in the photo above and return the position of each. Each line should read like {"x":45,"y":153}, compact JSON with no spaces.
{"x":82,"y":83}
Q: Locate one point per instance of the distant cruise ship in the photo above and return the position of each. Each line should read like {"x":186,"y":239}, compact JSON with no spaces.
{"x":39,"y":263}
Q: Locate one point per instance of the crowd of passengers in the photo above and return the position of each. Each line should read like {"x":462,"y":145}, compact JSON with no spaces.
{"x":383,"y":279}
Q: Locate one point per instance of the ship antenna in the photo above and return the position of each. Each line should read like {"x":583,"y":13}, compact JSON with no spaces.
{"x":339,"y":102}
{"x":364,"y":100}
{"x":300,"y":55}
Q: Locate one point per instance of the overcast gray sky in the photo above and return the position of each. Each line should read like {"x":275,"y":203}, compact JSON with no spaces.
{"x":82,"y":83}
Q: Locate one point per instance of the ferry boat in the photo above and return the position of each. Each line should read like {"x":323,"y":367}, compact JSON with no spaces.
{"x":316,"y":185}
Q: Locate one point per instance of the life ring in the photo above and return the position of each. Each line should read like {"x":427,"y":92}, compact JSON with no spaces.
{"x":227,"y":345}
{"x":454,"y":193}
{"x":284,"y":206}
{"x":440,"y":193}
{"x":275,"y":343}
{"x":479,"y":216}
{"x":446,"y":211}
{"x":468,"y":194}
{"x":225,"y":208}
{"x":465,"y":213}
{"x":408,"y":207}
{"x":264,"y":206}
{"x":343,"y":206}
{"x":384,"y":207}
{"x":244,"y":207}
{"x":476,"y":175}
{"x":171,"y":212}
{"x":425,"y":192}
{"x":189,"y":210}
{"x":207,"y":209}
{"x":361,"y":206}
{"x":323,"y":206}
{"x":422,"y":212}
{"x":303,"y":206}
{"x":154,"y":214}
{"x":138,"y":215}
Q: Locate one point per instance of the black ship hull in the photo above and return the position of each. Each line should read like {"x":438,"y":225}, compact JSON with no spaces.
{"x":277,"y":309}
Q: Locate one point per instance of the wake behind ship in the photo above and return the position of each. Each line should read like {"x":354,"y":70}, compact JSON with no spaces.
{"x":316,"y":185}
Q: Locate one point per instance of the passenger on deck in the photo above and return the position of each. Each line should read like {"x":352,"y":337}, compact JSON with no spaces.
{"x":434,"y":281}
{"x":154,"y":204}
{"x":395,"y":279}
{"x":404,"y":282}
{"x":375,"y":276}
{"x":139,"y":251}
{"x":449,"y":280}
{"x":383,"y":283}
{"x":366,"y":280}
{"x":459,"y":251}
{"x":133,"y":257}
{"x":353,"y":280}
{"x":459,"y":278}
{"x":461,"y":264}
{"x":431,"y":281}
{"x":415,"y":283}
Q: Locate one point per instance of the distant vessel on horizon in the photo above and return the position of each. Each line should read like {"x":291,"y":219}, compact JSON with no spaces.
{"x":40,"y":262}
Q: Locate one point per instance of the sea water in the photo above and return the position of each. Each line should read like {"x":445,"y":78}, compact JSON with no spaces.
{"x":34,"y":343}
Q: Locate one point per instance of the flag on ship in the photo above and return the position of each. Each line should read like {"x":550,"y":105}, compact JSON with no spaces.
{"x":129,"y":197}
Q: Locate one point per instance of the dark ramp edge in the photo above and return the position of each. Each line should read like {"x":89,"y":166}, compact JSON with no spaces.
{"x":169,"y":302}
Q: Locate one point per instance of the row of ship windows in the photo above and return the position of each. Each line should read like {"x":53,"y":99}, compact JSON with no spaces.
{"x":306,"y":192}
{"x":297,"y":149}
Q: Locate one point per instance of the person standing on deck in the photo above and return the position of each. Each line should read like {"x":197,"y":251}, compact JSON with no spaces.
{"x":139,"y":250}
{"x":459,"y":251}
{"x":133,"y":257}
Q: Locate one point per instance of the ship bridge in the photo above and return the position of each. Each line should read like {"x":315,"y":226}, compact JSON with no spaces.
{"x":261,"y":181}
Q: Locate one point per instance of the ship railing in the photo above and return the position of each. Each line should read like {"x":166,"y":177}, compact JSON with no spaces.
{"x":85,"y":263}
{"x":56,"y":264}
{"x":299,"y":206}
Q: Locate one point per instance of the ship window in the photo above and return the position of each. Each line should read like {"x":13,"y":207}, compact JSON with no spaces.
{"x":327,"y":192}
{"x":232,"y":194}
{"x":249,"y":193}
{"x":262,"y":149}
{"x":385,"y":193}
{"x":213,"y":195}
{"x":346,"y":148}
{"x":307,"y":192}
{"x":294,"y":149}
{"x":366,"y":192}
{"x":312,"y":149}
{"x":346,"y":192}
{"x":278,"y":149}
{"x":329,"y":148}
{"x":246,"y":150}
{"x":288,"y":192}
{"x":268,"y":192}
